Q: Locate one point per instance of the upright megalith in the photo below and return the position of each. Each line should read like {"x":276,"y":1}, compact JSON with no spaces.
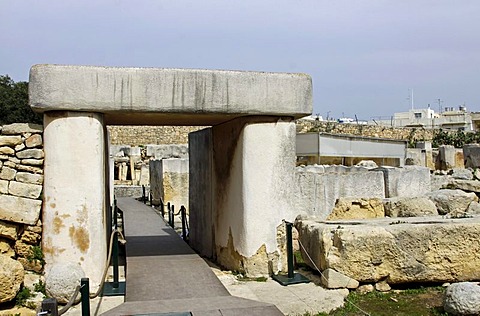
{"x":251,"y":151}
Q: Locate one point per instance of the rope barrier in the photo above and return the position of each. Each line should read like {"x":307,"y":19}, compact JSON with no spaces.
{"x":105,"y":271}
{"x":321,"y":274}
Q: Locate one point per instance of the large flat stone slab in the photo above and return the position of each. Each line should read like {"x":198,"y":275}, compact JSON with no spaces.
{"x":428,"y":249}
{"x":169,"y":96}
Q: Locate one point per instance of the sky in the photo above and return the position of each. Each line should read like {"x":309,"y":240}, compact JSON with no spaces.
{"x":365,"y":57}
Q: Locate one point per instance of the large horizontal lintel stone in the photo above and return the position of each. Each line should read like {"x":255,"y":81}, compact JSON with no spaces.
{"x":169,"y":96}
{"x":19,"y":210}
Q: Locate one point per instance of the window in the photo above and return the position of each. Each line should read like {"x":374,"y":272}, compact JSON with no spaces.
{"x":418,"y":115}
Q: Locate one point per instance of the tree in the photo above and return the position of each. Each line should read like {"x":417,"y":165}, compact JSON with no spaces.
{"x":14,"y":106}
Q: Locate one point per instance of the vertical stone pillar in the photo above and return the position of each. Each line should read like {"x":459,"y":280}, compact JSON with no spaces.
{"x":75,"y":192}
{"x":252,"y":165}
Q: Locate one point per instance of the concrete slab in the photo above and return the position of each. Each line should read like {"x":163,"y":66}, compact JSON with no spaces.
{"x":169,"y":96}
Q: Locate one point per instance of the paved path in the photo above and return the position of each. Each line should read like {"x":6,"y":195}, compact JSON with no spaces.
{"x":164,"y":275}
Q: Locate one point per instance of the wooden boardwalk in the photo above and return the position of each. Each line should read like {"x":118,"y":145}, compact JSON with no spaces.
{"x":164,"y":276}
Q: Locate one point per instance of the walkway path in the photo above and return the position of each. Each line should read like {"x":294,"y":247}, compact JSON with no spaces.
{"x":165,"y":276}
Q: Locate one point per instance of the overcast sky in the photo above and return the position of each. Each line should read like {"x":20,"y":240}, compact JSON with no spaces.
{"x":363,"y":56}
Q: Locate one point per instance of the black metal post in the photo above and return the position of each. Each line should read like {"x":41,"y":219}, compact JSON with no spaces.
{"x":169,"y":213}
{"x":289,"y":249}
{"x":172,"y":218}
{"x":50,"y":306}
{"x":85,"y":291}
{"x":115,"y":248}
{"x":144,"y":197}
{"x":184,"y":222}
{"x":151,"y":198}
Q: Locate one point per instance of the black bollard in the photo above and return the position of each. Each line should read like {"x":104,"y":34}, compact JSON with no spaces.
{"x":144,"y":197}
{"x":169,"y":213}
{"x":50,"y":307}
{"x":115,"y":248}
{"x":184,"y":222}
{"x":85,"y":291}
{"x":172,"y":218}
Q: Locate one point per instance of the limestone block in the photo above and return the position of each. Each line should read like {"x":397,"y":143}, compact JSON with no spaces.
{"x":471,"y":155}
{"x":366,"y":288}
{"x":20,"y":128}
{"x":357,"y":208}
{"x":465,"y":185}
{"x":406,"y":181}
{"x":453,"y":202}
{"x":32,"y":162}
{"x":335,"y":280}
{"x":30,"y":153}
{"x":11,"y":278}
{"x":34,"y":141}
{"x":30,"y":237}
{"x":36,"y":229}
{"x":167,"y":151}
{"x":382,"y":286}
{"x":6,"y":249}
{"x":22,"y":249}
{"x":31,"y":265}
{"x":415,"y":156}
{"x":31,"y":279}
{"x":473,"y":208}
{"x":20,"y":147}
{"x":10,"y":140}
{"x":10,"y":164}
{"x":61,"y":280}
{"x":462,"y":174}
{"x":15,"y":160}
{"x":9,"y":230}
{"x":27,"y":190}
{"x":31,"y":169}
{"x":19,"y":210}
{"x":3,"y":186}
{"x":7,"y":151}
{"x":447,"y":157}
{"x":438,"y":182}
{"x":369,"y":164}
{"x":462,"y":299}
{"x":402,"y":253}
{"x":4,"y":157}
{"x":7,"y":173}
{"x":409,"y":207}
{"x":29,"y":178}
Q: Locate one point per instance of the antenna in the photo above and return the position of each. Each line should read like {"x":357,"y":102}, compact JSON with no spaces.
{"x":440,"y":101}
{"x":410,"y":97}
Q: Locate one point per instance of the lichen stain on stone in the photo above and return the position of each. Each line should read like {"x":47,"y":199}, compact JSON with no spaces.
{"x":50,"y":250}
{"x":53,"y":205}
{"x":82,"y":215}
{"x":80,"y":238}
{"x":57,"y":225}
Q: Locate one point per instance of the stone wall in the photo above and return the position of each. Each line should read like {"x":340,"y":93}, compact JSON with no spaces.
{"x":417,"y":134}
{"x":144,"y":135}
{"x":21,"y":179}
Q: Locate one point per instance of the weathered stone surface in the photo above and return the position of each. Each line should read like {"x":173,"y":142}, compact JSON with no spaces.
{"x":465,"y":185}
{"x":453,"y":202}
{"x":30,"y":169}
{"x":366,"y":288}
{"x":19,"y":128}
{"x":23,"y":249}
{"x":370,"y":164}
{"x":31,"y":265}
{"x":11,"y":278}
{"x":7,"y":150}
{"x":473,"y":208}
{"x":3,"y":186}
{"x":19,"y":210}
{"x":376,"y":250}
{"x":29,"y":178}
{"x":409,"y":207}
{"x":34,"y":141}
{"x":164,"y":91}
{"x":406,"y":181}
{"x":27,"y":190}
{"x":335,"y":280}
{"x":382,"y":286}
{"x":446,"y":157}
{"x":15,"y":160}
{"x":20,"y":147}
{"x":30,"y":237}
{"x":7,"y":173}
{"x":357,"y":208}
{"x":30,"y":153}
{"x":61,"y":280}
{"x":462,"y":174}
{"x":31,"y":279}
{"x":471,"y":155}
{"x":10,"y":164}
{"x":10,"y":140}
{"x":8,"y":230}
{"x":32,"y":162}
{"x":36,"y":229}
{"x":167,"y":151}
{"x":6,"y":249}
{"x":462,"y":299}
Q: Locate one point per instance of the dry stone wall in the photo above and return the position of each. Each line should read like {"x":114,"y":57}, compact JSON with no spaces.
{"x":21,"y":179}
{"x":145,"y":135}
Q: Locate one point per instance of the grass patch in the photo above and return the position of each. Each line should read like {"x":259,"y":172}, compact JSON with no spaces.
{"x":423,"y":301}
